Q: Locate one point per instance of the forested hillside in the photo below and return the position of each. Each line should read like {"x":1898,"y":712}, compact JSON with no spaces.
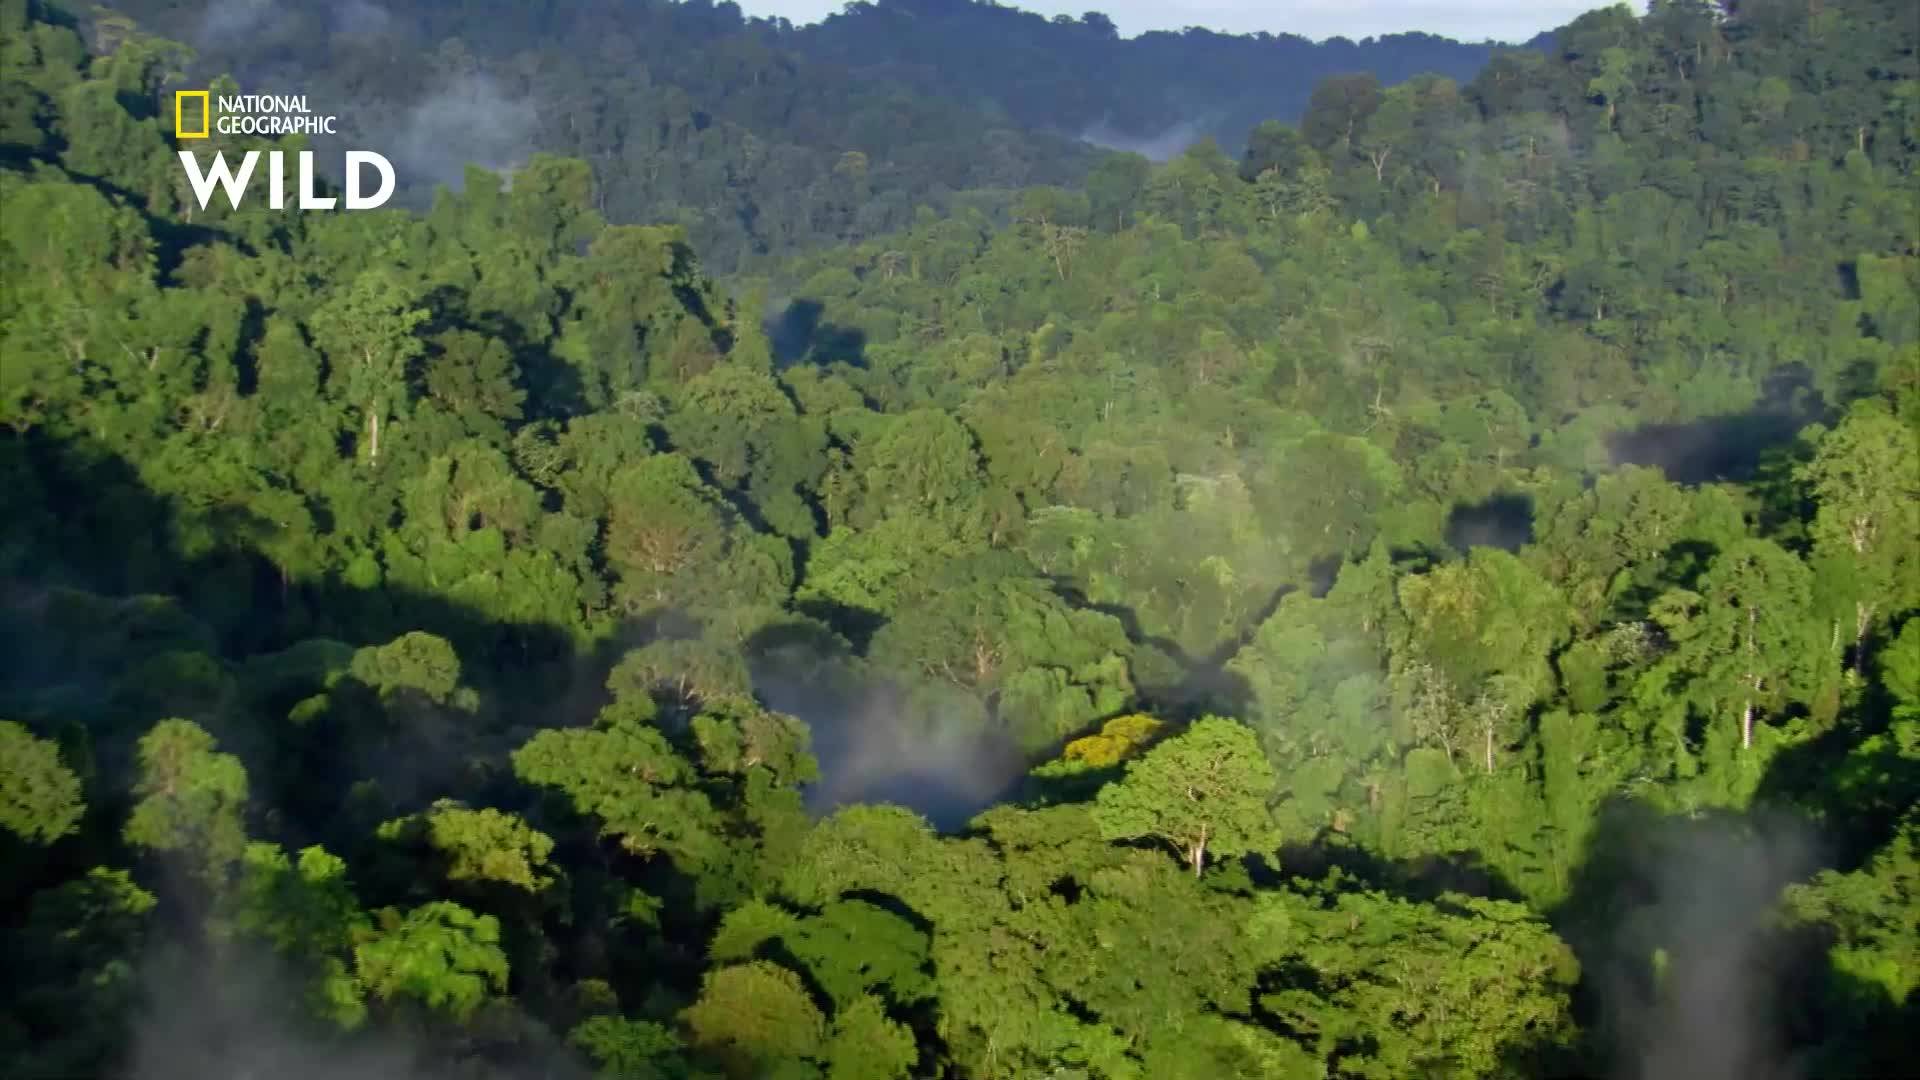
{"x":1432,"y":596}
{"x":1078,"y":77}
{"x":757,"y":137}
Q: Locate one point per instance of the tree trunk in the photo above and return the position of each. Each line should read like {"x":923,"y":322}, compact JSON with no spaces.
{"x":373,"y":436}
{"x":1863,"y":618}
{"x":1197,"y":854}
{"x":1753,"y":681}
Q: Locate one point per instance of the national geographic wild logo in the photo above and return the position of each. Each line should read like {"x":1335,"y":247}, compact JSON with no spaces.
{"x":198,"y":114}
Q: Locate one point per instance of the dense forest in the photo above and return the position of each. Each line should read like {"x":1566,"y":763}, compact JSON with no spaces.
{"x":1432,"y":594}
{"x":759,"y":138}
{"x":1079,"y":77}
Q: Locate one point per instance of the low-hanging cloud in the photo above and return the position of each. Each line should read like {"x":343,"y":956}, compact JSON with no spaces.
{"x":469,"y":120}
{"x":1685,"y":971}
{"x":226,"y":21}
{"x":1161,"y":146}
{"x":889,"y":740}
{"x":429,"y":122}
{"x":361,"y":17}
{"x":236,"y":1011}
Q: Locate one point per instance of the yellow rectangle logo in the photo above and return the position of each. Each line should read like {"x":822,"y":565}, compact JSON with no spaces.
{"x":180,"y":98}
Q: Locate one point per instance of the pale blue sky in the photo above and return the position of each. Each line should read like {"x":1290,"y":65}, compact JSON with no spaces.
{"x":1472,"y":20}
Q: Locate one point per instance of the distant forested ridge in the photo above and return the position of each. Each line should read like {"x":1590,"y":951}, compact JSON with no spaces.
{"x":1079,"y":77}
{"x":1435,"y":594}
{"x":758,"y":137}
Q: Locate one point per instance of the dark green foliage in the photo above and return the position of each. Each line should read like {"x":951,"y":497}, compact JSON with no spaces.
{"x":82,"y":940}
